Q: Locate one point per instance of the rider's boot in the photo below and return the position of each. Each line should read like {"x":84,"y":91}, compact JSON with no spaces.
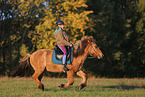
{"x":65,"y":68}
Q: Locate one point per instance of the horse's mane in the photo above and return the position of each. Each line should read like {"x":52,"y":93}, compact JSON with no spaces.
{"x":82,"y":44}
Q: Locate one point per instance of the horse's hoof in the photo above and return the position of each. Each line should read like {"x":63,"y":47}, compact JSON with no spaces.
{"x":41,"y":87}
{"x":82,"y":86}
{"x":61,"y":86}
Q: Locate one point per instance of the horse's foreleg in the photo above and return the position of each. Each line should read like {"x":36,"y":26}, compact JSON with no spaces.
{"x":84,"y":76}
{"x":70,"y":76}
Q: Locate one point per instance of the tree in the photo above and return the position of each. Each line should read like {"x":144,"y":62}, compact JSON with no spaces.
{"x":117,"y":25}
{"x":71,"y":12}
{"x":119,"y":32}
{"x":33,"y":24}
{"x":137,"y":40}
{"x":5,"y":32}
{"x":22,"y":17}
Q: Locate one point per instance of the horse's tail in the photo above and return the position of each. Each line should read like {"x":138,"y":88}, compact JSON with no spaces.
{"x":22,"y":67}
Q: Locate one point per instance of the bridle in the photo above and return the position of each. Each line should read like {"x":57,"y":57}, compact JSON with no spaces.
{"x":93,"y":49}
{"x":90,"y":49}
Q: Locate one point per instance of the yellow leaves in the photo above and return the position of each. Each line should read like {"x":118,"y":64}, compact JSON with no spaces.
{"x":141,"y":6}
{"x":84,"y":5}
{"x":20,"y":1}
{"x":46,"y":30}
{"x":117,"y":55}
{"x":73,"y":5}
{"x":36,"y":2}
{"x":74,"y":17}
{"x":80,"y":3}
{"x":26,"y":25}
{"x":139,"y":25}
{"x":2,"y":43}
{"x":46,"y":24}
{"x":128,"y":34}
{"x":88,"y":12}
{"x":127,"y":25}
{"x":13,"y":37}
{"x":23,"y":50}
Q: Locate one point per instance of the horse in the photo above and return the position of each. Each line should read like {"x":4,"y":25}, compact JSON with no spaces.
{"x":42,"y":59}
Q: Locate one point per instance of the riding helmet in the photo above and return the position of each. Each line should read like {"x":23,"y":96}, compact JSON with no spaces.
{"x":59,"y":22}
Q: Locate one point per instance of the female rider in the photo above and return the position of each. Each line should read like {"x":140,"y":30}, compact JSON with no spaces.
{"x":62,"y":41}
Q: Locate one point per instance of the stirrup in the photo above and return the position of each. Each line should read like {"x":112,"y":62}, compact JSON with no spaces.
{"x":65,"y":68}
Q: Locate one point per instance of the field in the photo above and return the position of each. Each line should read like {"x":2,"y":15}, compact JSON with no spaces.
{"x":96,"y":87}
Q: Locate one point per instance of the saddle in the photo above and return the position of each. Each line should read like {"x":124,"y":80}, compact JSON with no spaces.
{"x":58,"y":55}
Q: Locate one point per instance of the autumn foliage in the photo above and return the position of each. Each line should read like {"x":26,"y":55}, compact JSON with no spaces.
{"x":118,"y":26}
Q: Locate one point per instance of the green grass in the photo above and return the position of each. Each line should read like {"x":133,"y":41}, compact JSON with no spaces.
{"x":26,"y":87}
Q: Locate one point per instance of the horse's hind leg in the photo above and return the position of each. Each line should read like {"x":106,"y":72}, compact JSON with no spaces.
{"x":37,"y":76}
{"x":41,"y":75}
{"x":84,"y":76}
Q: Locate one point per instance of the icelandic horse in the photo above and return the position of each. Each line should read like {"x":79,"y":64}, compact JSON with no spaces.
{"x":42,"y":59}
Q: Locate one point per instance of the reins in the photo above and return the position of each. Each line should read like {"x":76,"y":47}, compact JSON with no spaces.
{"x":86,"y":56}
{"x":74,"y":47}
{"x":90,"y":49}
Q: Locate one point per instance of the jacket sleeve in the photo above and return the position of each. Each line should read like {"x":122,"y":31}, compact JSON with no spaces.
{"x":62,"y":39}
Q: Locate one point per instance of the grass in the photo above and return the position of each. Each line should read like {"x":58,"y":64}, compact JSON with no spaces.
{"x":97,"y":87}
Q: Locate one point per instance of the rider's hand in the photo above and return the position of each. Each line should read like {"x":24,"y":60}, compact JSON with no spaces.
{"x":70,"y":45}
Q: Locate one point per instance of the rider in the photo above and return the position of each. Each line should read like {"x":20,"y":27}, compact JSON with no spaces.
{"x":62,"y":41}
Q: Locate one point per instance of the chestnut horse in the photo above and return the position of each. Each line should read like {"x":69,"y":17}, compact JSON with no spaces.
{"x":42,"y":59}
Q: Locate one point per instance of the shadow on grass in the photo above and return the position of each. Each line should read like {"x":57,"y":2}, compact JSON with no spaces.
{"x":94,"y":88}
{"x":124,"y":87}
{"x":76,"y":88}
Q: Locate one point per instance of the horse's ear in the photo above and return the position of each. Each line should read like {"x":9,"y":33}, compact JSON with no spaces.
{"x":91,"y":40}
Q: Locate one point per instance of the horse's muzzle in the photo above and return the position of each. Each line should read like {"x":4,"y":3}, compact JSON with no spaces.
{"x":100,"y":56}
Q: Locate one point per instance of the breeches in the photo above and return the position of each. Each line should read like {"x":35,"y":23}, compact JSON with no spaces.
{"x":64,"y":53}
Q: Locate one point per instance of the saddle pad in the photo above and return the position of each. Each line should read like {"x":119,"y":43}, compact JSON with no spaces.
{"x":56,"y":61}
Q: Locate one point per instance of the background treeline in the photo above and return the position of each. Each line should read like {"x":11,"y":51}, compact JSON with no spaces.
{"x":117,"y":25}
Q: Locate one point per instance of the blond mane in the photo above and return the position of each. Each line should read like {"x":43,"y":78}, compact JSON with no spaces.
{"x":82,"y":44}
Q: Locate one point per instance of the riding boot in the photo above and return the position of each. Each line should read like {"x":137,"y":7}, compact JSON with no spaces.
{"x":65,"y":68}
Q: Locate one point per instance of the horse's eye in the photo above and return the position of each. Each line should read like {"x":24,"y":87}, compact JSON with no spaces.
{"x":96,"y":46}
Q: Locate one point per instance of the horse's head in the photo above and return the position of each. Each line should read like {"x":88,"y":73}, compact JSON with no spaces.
{"x":93,"y":49}
{"x":89,"y":47}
